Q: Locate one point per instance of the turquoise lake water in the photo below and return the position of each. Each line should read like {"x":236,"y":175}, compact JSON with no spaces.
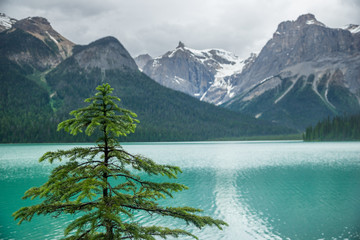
{"x":263,"y":190}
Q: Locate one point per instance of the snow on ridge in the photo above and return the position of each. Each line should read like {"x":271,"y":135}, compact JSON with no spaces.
{"x":222,"y":63}
{"x":52,"y":38}
{"x":314,"y":22}
{"x":197,"y":53}
{"x":172,"y":54}
{"x":179,"y":80}
{"x":352,"y":28}
{"x":233,"y":65}
{"x":156,"y":63}
{"x":355,"y":30}
{"x":225,"y":69}
{"x":6,"y":21}
{"x":208,"y":53}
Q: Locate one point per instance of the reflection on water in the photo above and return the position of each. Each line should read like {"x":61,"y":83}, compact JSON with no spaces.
{"x":306,"y":202}
{"x":243,"y":222}
{"x":264,"y":190}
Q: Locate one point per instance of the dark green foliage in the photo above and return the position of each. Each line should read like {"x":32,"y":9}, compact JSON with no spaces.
{"x":102,"y":185}
{"x":343,"y":99}
{"x":339,"y":128}
{"x":23,"y":115}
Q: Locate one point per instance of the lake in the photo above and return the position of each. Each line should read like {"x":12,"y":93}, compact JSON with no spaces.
{"x":263,"y":190}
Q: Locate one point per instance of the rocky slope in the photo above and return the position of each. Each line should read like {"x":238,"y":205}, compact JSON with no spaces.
{"x":142,"y":60}
{"x":34,"y":44}
{"x":204,"y":74}
{"x":306,"y":72}
{"x":40,"y":28}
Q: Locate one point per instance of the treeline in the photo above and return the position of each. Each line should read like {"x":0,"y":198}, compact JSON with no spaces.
{"x":339,"y":128}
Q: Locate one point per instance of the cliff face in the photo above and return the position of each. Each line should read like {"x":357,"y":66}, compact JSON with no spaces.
{"x":203,"y":74}
{"x":306,"y":72}
{"x":303,"y":40}
{"x":142,"y":60}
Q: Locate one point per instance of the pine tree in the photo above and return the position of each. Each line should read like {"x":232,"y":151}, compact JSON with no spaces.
{"x":102,"y":185}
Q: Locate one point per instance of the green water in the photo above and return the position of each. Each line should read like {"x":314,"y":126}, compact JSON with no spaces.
{"x":264,"y":190}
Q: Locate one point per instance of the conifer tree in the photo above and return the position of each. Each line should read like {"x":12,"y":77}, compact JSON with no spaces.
{"x":102,"y":185}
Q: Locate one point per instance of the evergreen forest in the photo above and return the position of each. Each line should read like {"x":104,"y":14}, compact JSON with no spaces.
{"x":339,"y":128}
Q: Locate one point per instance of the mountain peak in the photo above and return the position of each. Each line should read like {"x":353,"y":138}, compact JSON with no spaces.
{"x":41,"y":28}
{"x":301,"y":22}
{"x":6,"y":22}
{"x":204,"y":74}
{"x":308,"y":19}
{"x":105,"y":53}
{"x":353,"y":28}
{"x":105,"y":41}
{"x":142,"y":60}
{"x":35,"y":25}
{"x":180,"y":45}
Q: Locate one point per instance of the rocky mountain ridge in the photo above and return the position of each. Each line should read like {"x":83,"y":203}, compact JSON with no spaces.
{"x":32,"y":42}
{"x":203,"y":74}
{"x":304,"y":58}
{"x":142,"y":60}
{"x":40,"y":28}
{"x":304,"y":73}
{"x":304,"y":52}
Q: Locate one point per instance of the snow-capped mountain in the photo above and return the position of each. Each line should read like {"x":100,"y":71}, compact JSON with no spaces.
{"x":6,"y":22}
{"x":306,"y":72}
{"x":204,"y":74}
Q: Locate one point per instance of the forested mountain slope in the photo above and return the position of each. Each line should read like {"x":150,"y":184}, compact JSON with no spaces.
{"x":35,"y":96}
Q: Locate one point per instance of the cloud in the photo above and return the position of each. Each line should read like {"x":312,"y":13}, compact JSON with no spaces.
{"x":156,"y":26}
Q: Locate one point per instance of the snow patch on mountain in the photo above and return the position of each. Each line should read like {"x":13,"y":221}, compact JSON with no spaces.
{"x":314,"y":22}
{"x":52,"y":38}
{"x":179,"y":80}
{"x":6,"y":22}
{"x":225,"y":65}
{"x":353,"y":28}
{"x":205,"y":74}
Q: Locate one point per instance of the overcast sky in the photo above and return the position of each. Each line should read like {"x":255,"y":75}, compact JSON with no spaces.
{"x":156,"y":26}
